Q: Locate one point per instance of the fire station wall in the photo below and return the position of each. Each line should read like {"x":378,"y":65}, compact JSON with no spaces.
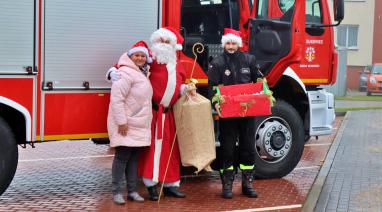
{"x":377,"y":47}
{"x":352,"y":77}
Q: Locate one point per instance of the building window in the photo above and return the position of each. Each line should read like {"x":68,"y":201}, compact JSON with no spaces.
{"x":347,"y":36}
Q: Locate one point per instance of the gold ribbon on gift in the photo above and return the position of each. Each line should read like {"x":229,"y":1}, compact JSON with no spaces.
{"x":245,"y":106}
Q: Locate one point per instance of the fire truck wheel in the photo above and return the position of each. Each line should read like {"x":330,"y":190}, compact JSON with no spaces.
{"x":8,"y":155}
{"x":279,"y":141}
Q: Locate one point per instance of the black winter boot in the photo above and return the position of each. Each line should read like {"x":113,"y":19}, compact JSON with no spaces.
{"x":227,"y":178}
{"x":247,"y":183}
{"x":153,"y":193}
{"x":173,"y":192}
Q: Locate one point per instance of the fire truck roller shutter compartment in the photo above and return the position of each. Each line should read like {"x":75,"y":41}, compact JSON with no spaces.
{"x":16,"y":37}
{"x":83,"y":39}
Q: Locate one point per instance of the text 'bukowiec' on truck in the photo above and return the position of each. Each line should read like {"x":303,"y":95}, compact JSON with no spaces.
{"x":54,"y":54}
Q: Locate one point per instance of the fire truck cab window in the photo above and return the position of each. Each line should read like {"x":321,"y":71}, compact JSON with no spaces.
{"x":262,"y":9}
{"x":206,"y":20}
{"x":285,"y":5}
{"x":313,"y":9}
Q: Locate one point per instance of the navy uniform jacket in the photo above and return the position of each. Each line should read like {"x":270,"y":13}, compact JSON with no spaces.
{"x":232,"y":69}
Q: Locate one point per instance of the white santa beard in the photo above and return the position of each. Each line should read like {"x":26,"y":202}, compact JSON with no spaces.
{"x":163,"y":53}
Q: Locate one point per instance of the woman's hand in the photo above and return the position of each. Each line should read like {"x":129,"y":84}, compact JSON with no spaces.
{"x":122,"y":129}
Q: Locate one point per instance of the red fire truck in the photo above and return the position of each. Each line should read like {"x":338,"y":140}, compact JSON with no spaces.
{"x":54,"y":55}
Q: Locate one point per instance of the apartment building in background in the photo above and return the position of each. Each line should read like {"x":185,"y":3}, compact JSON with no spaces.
{"x":361,"y":34}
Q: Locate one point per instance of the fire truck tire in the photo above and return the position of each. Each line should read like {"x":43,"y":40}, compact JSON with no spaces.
{"x":284,"y":123}
{"x":8,"y":155}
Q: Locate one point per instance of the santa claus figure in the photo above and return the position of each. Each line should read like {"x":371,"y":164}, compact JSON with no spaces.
{"x":167,"y":78}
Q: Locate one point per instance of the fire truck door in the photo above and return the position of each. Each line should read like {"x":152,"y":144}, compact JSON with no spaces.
{"x":276,"y":42}
{"x":316,"y":64}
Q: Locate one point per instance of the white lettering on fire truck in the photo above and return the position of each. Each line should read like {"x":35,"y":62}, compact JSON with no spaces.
{"x":309,"y":65}
{"x":321,"y":42}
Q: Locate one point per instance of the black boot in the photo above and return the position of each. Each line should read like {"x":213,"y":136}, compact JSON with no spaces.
{"x":173,"y":192}
{"x":247,"y":183}
{"x":227,"y":178}
{"x":153,"y":193}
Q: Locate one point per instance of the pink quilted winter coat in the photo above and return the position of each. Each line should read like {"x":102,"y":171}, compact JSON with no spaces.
{"x":130,"y":102}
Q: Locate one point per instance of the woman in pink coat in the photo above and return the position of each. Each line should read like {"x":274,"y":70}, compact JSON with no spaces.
{"x":129,"y":119}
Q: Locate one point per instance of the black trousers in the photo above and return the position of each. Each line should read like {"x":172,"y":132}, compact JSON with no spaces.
{"x":125,"y":166}
{"x":231,"y":131}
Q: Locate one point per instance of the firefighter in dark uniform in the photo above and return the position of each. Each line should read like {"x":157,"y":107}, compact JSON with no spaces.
{"x":231,"y":68}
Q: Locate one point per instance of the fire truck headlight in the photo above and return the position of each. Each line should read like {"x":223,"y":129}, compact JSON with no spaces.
{"x":373,"y":80}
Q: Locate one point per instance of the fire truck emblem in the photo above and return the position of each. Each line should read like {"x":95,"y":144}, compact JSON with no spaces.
{"x":227,"y":72}
{"x":310,"y":54}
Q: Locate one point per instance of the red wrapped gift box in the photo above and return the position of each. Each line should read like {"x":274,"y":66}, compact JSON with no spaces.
{"x":244,"y":100}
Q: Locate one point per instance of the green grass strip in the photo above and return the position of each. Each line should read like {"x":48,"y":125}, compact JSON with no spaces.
{"x":360,"y":98}
{"x":344,"y":109}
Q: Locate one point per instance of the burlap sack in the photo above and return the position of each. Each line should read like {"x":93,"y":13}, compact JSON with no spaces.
{"x":195,"y":131}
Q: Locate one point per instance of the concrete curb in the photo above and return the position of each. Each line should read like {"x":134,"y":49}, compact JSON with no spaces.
{"x":315,"y":191}
{"x":340,"y":113}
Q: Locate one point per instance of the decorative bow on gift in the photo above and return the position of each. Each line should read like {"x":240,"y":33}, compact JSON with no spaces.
{"x":245,"y":106}
{"x":267,"y":91}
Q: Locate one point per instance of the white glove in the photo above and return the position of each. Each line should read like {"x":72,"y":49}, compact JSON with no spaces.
{"x":183,"y":89}
{"x":112,"y":75}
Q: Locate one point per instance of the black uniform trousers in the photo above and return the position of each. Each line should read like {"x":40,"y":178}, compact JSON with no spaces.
{"x":232,"y":130}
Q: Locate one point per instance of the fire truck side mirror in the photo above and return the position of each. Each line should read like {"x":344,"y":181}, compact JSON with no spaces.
{"x":339,"y":10}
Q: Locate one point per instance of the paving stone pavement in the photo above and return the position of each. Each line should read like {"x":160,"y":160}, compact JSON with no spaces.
{"x":354,"y":182}
{"x":76,"y":176}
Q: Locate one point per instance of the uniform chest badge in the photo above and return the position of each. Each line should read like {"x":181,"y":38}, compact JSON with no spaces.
{"x":227,"y":72}
{"x":245,"y":71}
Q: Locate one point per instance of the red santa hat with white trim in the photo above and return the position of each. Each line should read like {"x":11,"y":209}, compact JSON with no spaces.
{"x":169,"y":33}
{"x":231,"y":35}
{"x":141,"y":46}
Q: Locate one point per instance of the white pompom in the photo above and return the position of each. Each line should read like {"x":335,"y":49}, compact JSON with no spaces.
{"x":178,"y":47}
